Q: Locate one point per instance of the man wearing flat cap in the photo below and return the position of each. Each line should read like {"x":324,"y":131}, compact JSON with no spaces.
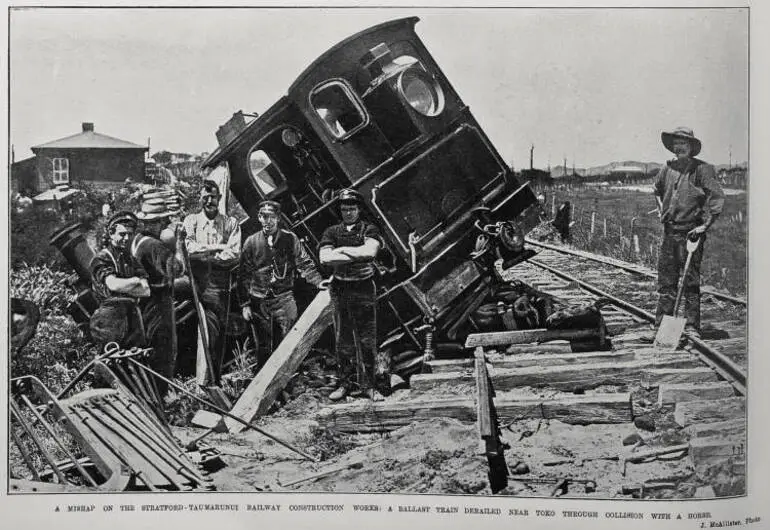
{"x":269,"y":262}
{"x":689,"y":200}
{"x":132,"y":277}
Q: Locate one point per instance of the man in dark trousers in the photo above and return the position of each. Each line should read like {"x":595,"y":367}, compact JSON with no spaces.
{"x":269,"y":262}
{"x":689,"y":200}
{"x":350,"y":248}
{"x":142,"y":268}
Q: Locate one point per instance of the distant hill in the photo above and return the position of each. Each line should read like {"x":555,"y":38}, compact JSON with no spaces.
{"x":561,"y":171}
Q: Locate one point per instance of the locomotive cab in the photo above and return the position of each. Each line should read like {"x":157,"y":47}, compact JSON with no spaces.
{"x":376,"y":113}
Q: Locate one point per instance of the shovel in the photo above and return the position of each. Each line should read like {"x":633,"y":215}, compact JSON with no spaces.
{"x":672,"y":327}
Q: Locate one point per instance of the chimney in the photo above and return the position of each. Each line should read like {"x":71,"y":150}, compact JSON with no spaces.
{"x":88,"y":127}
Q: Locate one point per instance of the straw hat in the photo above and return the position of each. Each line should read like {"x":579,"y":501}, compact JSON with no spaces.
{"x":158,"y":203}
{"x":681,"y":132}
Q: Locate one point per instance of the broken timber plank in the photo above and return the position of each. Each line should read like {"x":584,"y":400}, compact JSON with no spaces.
{"x":551,"y":347}
{"x":273,"y":377}
{"x":566,"y":377}
{"x":655,"y":377}
{"x":669,"y":394}
{"x":524,"y":336}
{"x":520,"y":361}
{"x":735,"y":427}
{"x":388,"y":416}
{"x":709,"y":411}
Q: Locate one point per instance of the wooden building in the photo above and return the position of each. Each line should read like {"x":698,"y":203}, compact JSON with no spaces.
{"x":88,"y":157}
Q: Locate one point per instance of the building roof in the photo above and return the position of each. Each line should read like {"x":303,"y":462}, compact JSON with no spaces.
{"x":88,"y":139}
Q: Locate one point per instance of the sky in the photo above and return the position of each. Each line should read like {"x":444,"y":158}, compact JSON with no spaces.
{"x":589,"y":85}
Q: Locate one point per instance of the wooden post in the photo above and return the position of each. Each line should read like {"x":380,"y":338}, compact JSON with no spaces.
{"x":593,"y":223}
{"x":284,"y":362}
{"x":553,"y":206}
{"x":605,"y":228}
{"x":637,"y":250}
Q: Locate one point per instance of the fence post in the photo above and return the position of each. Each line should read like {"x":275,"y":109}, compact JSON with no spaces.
{"x":605,"y":228}
{"x":593,"y":223}
{"x":740,"y":217}
{"x":637,"y":250}
{"x":553,"y":205}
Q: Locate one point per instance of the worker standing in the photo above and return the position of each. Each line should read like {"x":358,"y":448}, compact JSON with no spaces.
{"x":690,"y":199}
{"x":269,"y":263}
{"x":350,"y":248}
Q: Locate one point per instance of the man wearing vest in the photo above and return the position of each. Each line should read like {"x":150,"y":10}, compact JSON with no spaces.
{"x":269,"y":262}
{"x":689,"y":200}
{"x":350,"y":248}
{"x":214,"y":244}
{"x":133,"y":277}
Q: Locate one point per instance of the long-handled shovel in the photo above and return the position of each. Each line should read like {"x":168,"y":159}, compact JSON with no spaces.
{"x":672,"y":327}
{"x":215,"y":392}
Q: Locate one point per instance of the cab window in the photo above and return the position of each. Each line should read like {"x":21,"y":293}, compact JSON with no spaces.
{"x":338,"y":109}
{"x":266,"y":174}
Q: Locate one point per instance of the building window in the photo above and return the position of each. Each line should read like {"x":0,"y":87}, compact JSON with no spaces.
{"x":61,"y":171}
{"x":338,"y":108}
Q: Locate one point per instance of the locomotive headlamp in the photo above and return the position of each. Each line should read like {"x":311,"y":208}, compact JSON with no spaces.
{"x":421,"y":91}
{"x":290,"y":137}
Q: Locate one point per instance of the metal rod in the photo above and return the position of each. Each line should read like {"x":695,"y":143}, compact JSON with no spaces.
{"x":137,"y":473}
{"x":32,"y":434}
{"x":226,"y":413}
{"x":24,"y":453}
{"x":66,"y":451}
{"x":627,"y":267}
{"x":87,"y":368}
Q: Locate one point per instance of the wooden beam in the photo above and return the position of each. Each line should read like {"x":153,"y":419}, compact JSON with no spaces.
{"x":735,"y":427}
{"x":669,"y":394}
{"x":390,"y":415}
{"x":551,"y":347}
{"x":567,"y":377}
{"x":499,"y":338}
{"x":709,"y":411}
{"x":259,"y":396}
{"x":520,"y":361}
{"x":655,"y":377}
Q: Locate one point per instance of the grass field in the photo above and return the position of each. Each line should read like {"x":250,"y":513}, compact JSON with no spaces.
{"x":625,"y":213}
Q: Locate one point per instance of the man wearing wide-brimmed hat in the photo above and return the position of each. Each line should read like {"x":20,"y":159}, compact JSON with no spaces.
{"x":689,"y":199}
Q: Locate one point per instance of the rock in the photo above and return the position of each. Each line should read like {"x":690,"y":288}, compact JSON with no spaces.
{"x":632,"y":439}
{"x":520,"y":469}
{"x":645,"y":422}
{"x":704,"y":492}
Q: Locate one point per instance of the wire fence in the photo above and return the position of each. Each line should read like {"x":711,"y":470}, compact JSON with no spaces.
{"x":629,"y":228}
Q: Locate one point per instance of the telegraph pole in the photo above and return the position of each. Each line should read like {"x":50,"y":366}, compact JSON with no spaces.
{"x":531,"y":156}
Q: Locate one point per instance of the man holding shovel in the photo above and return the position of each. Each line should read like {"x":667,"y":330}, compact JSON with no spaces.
{"x":689,"y":200}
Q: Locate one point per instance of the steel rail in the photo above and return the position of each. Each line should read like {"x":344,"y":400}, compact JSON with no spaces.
{"x":726,"y":368}
{"x":628,"y":267}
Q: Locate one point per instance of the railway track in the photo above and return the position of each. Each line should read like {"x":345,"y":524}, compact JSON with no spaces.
{"x":568,"y":413}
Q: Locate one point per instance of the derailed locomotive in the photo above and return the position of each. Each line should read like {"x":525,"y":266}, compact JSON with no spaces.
{"x":377,"y":114}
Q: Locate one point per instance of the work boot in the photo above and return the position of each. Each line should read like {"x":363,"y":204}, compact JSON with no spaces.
{"x":372,"y":394}
{"x":339,"y":393}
